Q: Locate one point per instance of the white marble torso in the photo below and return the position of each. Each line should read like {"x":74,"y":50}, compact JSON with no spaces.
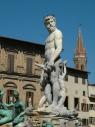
{"x":50,"y":45}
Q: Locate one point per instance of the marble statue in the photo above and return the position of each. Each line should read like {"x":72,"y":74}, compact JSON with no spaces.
{"x":51,"y":104}
{"x":53,"y":48}
{"x":43,"y":101}
{"x":53,"y":74}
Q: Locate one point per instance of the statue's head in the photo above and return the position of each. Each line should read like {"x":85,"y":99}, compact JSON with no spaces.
{"x":16,"y":94}
{"x":50,"y":23}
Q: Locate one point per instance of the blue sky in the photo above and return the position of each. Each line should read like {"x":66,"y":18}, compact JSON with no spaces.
{"x":23,"y":20}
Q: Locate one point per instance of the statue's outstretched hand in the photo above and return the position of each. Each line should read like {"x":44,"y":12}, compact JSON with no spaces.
{"x":65,"y":62}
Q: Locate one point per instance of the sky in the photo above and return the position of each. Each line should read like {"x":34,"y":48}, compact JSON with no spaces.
{"x":23,"y":20}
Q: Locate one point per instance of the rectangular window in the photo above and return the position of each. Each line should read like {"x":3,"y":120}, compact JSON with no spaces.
{"x":76,"y":79}
{"x":84,"y":122}
{"x":92,"y":120}
{"x":76,"y":104}
{"x":84,"y":93}
{"x":29,"y":65}
{"x":92,"y":98}
{"x":91,"y":106}
{"x":83,"y":80}
{"x":66,"y":102}
{"x":9,"y":96}
{"x":29,"y":98}
{"x":84,"y":107}
{"x":10,"y":63}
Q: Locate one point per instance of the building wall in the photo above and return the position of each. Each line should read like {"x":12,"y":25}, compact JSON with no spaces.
{"x":78,"y":90}
{"x":92,"y":105}
{"x":18,"y":73}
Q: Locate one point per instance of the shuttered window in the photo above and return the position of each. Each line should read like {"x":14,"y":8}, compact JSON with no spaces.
{"x":29,"y":65}
{"x":76,"y":79}
{"x":10,"y":63}
{"x":84,"y":107}
{"x":83,"y":81}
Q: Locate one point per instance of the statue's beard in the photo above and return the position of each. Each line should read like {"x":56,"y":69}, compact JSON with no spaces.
{"x":51,"y":29}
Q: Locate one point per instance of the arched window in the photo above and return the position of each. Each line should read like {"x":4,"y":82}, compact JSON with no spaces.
{"x":29,"y":94}
{"x":10,"y":87}
{"x":9,"y":96}
{"x":10,"y":84}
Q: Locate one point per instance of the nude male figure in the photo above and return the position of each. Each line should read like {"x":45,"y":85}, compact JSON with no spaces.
{"x":43,"y":102}
{"x":53,"y":48}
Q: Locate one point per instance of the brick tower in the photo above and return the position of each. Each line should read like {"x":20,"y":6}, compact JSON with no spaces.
{"x":80,"y":59}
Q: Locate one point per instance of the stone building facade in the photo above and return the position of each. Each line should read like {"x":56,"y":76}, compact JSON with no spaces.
{"x":91,"y":95}
{"x":18,"y":70}
{"x":79,"y":82}
{"x":76,"y":83}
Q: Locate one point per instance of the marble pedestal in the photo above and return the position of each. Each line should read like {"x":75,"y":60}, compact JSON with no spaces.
{"x":56,"y":121}
{"x":37,"y":120}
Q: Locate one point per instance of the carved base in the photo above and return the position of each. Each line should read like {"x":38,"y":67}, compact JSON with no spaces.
{"x":37,"y":120}
{"x":56,"y":121}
